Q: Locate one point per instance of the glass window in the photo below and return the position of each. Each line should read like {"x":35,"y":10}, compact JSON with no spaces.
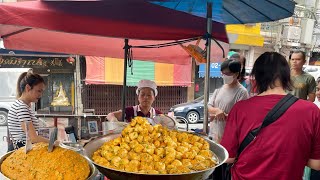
{"x":59,"y":94}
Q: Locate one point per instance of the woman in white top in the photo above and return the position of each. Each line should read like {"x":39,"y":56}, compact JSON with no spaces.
{"x":225,"y":97}
{"x":30,"y":87}
{"x":222,"y":101}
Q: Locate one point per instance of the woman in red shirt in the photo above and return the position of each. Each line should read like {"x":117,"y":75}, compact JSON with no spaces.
{"x":282,"y":149}
{"x":318,"y":89}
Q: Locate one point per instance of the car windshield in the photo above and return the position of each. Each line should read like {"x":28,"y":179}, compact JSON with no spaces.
{"x":200,"y":99}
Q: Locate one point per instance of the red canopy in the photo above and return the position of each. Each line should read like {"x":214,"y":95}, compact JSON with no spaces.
{"x":96,"y":28}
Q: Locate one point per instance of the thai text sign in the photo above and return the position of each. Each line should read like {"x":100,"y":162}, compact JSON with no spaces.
{"x":36,"y":62}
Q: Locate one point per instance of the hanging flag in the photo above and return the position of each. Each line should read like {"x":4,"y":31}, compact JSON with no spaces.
{"x":105,"y":70}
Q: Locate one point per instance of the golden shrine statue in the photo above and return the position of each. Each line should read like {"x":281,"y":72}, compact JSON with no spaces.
{"x":60,"y":98}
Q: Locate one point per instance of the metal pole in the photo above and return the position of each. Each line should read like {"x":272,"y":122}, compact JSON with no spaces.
{"x":77,"y":84}
{"x":78,"y":100}
{"x":124,"y":88}
{"x":207,"y":76}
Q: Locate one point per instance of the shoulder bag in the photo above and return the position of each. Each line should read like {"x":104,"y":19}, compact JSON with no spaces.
{"x":279,"y":109}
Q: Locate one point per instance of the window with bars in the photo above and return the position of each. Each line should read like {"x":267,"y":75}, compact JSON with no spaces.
{"x":107,"y":98}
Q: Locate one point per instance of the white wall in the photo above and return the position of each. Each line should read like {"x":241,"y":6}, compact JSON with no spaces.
{"x":254,"y":53}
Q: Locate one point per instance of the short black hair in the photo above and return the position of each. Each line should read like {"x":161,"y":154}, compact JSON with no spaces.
{"x":299,"y":52}
{"x":269,"y":67}
{"x":233,"y":65}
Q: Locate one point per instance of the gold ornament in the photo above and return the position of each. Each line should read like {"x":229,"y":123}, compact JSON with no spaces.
{"x":61,"y":98}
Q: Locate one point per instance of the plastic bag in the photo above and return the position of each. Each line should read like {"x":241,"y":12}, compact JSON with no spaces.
{"x":307,"y":173}
{"x":217,"y":130}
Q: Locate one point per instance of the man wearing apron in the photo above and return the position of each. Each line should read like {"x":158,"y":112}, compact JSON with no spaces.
{"x":146,"y":92}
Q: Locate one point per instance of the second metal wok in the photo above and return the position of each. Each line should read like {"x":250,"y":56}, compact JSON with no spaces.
{"x":93,"y":170}
{"x":113,"y":174}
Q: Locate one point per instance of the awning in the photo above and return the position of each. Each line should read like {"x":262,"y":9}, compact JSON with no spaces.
{"x":98,"y":28}
{"x":105,"y":70}
{"x":214,"y":70}
{"x":245,"y":34}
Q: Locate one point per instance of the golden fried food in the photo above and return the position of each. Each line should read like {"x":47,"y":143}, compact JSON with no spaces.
{"x":60,"y":164}
{"x":147,"y":149}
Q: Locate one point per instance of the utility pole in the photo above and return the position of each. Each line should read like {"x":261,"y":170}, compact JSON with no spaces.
{"x":278,"y":44}
{"x":315,"y":35}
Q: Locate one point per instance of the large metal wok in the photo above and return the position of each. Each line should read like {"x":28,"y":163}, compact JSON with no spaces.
{"x":93,"y":169}
{"x":113,"y":174}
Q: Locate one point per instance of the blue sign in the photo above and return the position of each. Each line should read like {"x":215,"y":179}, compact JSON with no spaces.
{"x":214,"y":70}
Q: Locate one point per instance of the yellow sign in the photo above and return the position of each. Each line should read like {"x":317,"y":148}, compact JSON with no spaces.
{"x":245,"y":34}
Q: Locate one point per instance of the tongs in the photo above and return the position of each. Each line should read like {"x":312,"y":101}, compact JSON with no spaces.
{"x":28,"y":140}
{"x":52,"y":139}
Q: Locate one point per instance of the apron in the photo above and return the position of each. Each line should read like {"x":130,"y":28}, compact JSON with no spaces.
{"x":136,"y":108}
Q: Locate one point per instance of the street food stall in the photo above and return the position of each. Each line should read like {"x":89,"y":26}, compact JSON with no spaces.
{"x":140,"y":143}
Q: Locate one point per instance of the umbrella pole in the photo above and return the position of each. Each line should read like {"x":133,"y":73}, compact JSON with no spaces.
{"x":207,"y":76}
{"x":124,"y":88}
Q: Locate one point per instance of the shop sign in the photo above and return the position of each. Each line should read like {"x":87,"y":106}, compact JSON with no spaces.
{"x":36,"y":62}
{"x":214,"y":70}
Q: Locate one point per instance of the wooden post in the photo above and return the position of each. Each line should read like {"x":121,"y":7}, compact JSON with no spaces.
{"x":190,"y":90}
{"x":55,"y":121}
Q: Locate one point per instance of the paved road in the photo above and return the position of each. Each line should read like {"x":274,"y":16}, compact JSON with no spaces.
{"x":191,"y":126}
{"x":3,"y":143}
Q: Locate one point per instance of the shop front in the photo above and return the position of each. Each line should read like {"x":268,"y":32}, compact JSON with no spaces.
{"x":59,"y":105}
{"x":246,"y":40}
{"x":104,"y":77}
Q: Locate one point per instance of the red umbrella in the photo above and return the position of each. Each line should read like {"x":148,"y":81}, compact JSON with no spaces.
{"x":70,"y":43}
{"x":97,"y":28}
